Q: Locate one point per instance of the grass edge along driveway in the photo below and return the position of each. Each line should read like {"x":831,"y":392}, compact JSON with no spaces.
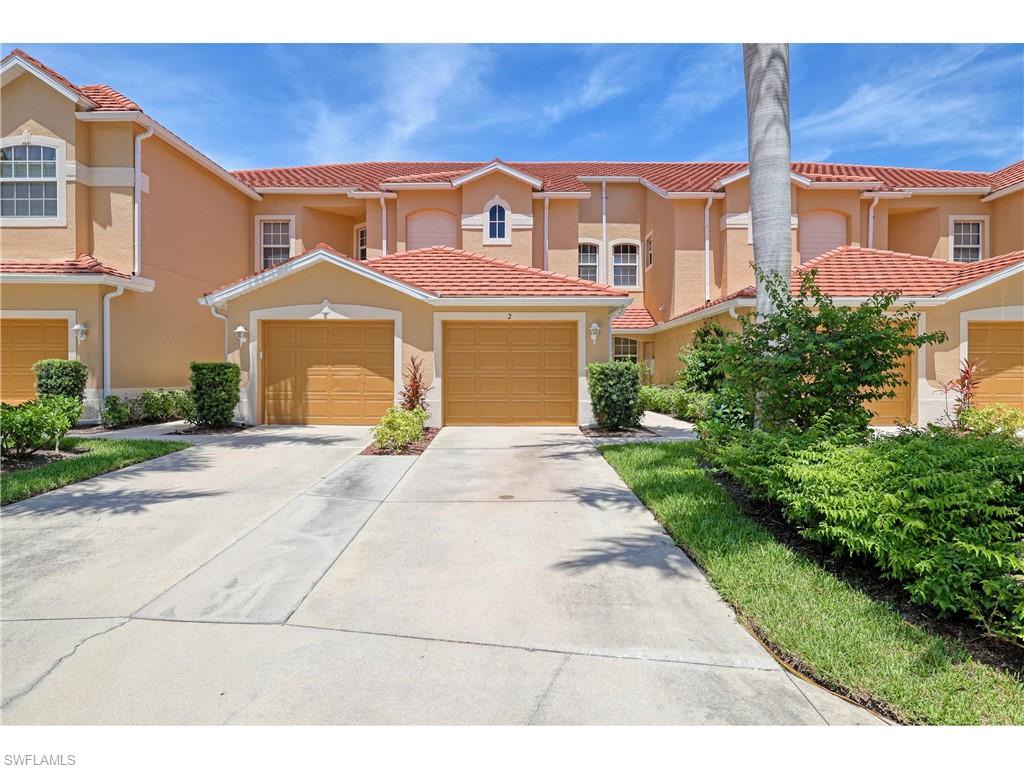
{"x":859,"y":645}
{"x":101,"y":456}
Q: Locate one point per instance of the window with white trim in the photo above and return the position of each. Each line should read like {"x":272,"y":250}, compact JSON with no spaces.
{"x":625,"y":350}
{"x":967,"y":239}
{"x":360,"y":243}
{"x":625,"y":265}
{"x":497,"y":224}
{"x":587,"y":261}
{"x":649,"y":251}
{"x":29,"y":179}
{"x":275,"y":242}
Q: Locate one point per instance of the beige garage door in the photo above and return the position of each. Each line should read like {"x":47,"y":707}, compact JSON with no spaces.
{"x":821,"y":232}
{"x":999,"y":348}
{"x":327,"y":371}
{"x":22,"y":343}
{"x":897,"y":410}
{"x":426,"y":228}
{"x":510,"y":373}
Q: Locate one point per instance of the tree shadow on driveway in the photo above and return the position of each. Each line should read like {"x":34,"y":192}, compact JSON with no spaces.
{"x":638,"y":551}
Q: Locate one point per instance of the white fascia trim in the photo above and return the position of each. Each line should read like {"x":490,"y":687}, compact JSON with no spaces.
{"x":1010,"y":313}
{"x":305,"y":190}
{"x":435,"y":397}
{"x":695,"y":195}
{"x":949,"y":190}
{"x":1004,"y":192}
{"x":977,"y":285}
{"x":179,"y":144}
{"x":75,"y":96}
{"x":360,"y":195}
{"x":297,"y":265}
{"x":137,"y":284}
{"x":419,"y":185}
{"x":845,"y":184}
{"x":325,"y":310}
{"x":532,"y":301}
{"x":68,"y":315}
{"x":895,"y":195}
{"x":501,"y":168}
{"x":796,"y":178}
{"x":561,"y":195}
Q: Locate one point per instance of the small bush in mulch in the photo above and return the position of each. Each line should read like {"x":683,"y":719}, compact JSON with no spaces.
{"x":412,"y":449}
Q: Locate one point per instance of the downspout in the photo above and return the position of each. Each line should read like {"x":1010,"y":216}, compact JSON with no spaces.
{"x":871,"y":221}
{"x":603,"y":269}
{"x":707,"y":251}
{"x":106,"y":338}
{"x":137,"y":261}
{"x":384,"y":226}
{"x":547,"y":200}
{"x":215,"y":313}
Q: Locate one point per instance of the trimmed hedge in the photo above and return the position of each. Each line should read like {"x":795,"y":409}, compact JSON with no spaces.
{"x":942,"y":513}
{"x":152,"y":406}
{"x":657,"y":399}
{"x":215,"y":393}
{"x":615,"y":394}
{"x":56,"y":376}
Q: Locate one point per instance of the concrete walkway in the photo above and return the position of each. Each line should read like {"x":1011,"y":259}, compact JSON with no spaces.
{"x":664,"y":429}
{"x":505,"y":576}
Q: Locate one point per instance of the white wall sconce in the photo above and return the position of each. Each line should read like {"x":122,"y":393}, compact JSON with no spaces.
{"x":595,"y":331}
{"x":242,"y":334}
{"x":325,"y":308}
{"x":80,"y":330}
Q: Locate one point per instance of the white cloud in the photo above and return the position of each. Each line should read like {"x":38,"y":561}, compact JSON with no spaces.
{"x":705,"y":83}
{"x":943,"y":102}
{"x":612,"y":76}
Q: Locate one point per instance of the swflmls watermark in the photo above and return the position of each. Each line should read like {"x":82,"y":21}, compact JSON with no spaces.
{"x":31,"y":760}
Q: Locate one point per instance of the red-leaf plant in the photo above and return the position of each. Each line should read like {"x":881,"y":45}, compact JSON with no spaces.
{"x":964,"y":387}
{"x":414,"y":394}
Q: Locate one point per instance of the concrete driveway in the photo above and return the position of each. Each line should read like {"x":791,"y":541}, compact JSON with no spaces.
{"x":505,"y":576}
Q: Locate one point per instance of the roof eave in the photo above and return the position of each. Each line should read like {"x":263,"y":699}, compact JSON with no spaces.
{"x":304,"y":190}
{"x":1003,"y":192}
{"x":137,"y":284}
{"x":17,"y":61}
{"x":477,"y":173}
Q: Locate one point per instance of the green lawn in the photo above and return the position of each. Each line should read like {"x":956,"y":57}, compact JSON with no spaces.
{"x":101,"y":456}
{"x":846,"y":637}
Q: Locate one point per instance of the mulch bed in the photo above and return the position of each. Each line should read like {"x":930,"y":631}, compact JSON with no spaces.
{"x":590,"y":431}
{"x":210,"y":430}
{"x":39,"y":459}
{"x":864,"y":576}
{"x":413,"y":449}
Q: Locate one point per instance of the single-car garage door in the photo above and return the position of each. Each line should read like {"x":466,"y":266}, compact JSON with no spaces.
{"x":327,"y":371}
{"x":510,"y":373}
{"x":821,"y":232}
{"x":998,"y":346}
{"x":427,"y":228}
{"x":22,"y":343}
{"x":896,"y":410}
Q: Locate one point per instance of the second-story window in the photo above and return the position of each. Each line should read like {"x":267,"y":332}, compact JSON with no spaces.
{"x":496,"y":224}
{"x":29,"y":182}
{"x":360,"y":243}
{"x":275,"y":241}
{"x":587,"y":264}
{"x":967,"y":236}
{"x":649,"y":251}
{"x":625,"y":264}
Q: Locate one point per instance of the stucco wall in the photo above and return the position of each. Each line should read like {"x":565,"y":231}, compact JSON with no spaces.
{"x":519,"y":196}
{"x":920,"y":225}
{"x":1007,"y":224}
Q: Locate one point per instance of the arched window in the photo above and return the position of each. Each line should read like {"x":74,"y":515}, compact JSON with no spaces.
{"x":31,"y":182}
{"x":626,"y":265}
{"x":496,"y":226}
{"x":587,"y":261}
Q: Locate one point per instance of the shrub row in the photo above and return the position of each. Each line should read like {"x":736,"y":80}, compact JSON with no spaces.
{"x":153,"y":406}
{"x":941,"y":512}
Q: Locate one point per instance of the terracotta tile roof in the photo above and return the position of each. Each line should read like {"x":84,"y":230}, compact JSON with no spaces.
{"x":84,"y":264}
{"x":1004,"y":177}
{"x":745,"y":293}
{"x":565,"y":176}
{"x":104,"y":97}
{"x":453,"y":273}
{"x":635,"y":318}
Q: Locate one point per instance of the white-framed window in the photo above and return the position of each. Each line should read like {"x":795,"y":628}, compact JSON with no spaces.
{"x":626,"y":264}
{"x":275,"y":240}
{"x":968,"y":238}
{"x":497,"y":224}
{"x":32,"y":182}
{"x":586,"y":264}
{"x":359,"y":242}
{"x":649,"y":251}
{"x":625,"y":349}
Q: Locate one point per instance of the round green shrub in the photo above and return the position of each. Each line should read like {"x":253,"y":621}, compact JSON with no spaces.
{"x":615,"y":394}
{"x":215,"y":393}
{"x":399,"y":428}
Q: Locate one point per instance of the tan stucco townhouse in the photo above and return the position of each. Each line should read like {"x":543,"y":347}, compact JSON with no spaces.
{"x":123,"y":246}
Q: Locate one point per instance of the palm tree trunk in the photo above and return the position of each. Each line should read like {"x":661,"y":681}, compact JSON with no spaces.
{"x":766,"y":72}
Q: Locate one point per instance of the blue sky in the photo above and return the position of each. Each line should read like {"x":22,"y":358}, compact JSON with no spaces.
{"x":939,"y":106}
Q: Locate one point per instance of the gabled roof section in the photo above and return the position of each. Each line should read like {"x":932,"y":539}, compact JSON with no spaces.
{"x":497,"y":166}
{"x":94,"y":98}
{"x":440,"y":275}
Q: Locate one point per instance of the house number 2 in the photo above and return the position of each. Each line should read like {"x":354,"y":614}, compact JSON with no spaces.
{"x":509,"y":315}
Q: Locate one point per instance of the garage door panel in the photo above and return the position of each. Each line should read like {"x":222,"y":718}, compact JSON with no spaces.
{"x":327,"y":372}
{"x":510,"y":372}
{"x":896,"y":410}
{"x":998,"y":346}
{"x":23,"y":342}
